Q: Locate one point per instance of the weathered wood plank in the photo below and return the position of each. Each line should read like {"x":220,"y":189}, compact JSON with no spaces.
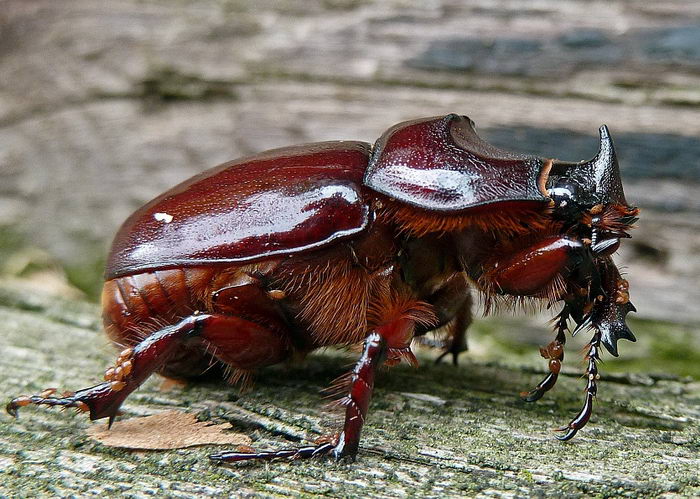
{"x":104,"y":105}
{"x":437,"y":431}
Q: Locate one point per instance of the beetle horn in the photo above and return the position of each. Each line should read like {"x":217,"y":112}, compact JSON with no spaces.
{"x":605,"y":171}
{"x":602,"y":172}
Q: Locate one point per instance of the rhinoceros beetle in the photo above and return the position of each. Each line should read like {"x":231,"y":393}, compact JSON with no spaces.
{"x":269,"y":257}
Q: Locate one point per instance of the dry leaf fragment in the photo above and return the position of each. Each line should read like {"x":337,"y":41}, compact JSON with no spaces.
{"x":166,"y":430}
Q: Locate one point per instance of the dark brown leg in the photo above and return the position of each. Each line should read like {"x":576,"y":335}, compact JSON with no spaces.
{"x":456,"y":342}
{"x":132,"y":368}
{"x":237,"y":341}
{"x":356,"y":404}
{"x":452,"y":303}
{"x":584,"y":414}
{"x":607,"y":319}
{"x":554,"y":352}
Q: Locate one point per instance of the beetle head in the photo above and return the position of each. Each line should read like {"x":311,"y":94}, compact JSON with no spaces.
{"x":588,"y":196}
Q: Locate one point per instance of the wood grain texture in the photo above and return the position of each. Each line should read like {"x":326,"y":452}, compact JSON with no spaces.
{"x":105,"y":105}
{"x":436,"y":431}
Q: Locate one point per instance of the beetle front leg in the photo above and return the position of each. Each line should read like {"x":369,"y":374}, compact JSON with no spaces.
{"x":536,"y":270}
{"x":593,"y":376}
{"x":132,"y":368}
{"x":539,"y":270}
{"x":607,"y":317}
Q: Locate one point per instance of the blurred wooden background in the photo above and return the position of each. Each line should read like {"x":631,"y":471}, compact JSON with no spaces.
{"x":105,"y":104}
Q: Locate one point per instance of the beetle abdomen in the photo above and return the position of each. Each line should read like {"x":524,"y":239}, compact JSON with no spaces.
{"x":132,"y":303}
{"x":135,"y":305}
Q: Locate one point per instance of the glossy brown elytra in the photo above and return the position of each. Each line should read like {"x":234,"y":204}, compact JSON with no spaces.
{"x":269,"y":257}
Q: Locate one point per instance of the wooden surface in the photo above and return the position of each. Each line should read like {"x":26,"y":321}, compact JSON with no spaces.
{"x":105,"y":104}
{"x":436,"y":431}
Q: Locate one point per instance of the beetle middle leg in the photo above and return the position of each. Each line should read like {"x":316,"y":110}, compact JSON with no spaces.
{"x":388,"y":342}
{"x":452,"y":303}
{"x":356,"y":403}
{"x":456,"y":341}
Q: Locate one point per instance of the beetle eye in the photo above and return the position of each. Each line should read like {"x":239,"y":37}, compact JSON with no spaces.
{"x":563,"y":195}
{"x":566,"y":196}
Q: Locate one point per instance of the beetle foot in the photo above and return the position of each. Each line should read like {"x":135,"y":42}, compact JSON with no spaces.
{"x":43,"y":398}
{"x":131,"y":369}
{"x":554,"y":353}
{"x":450,"y":346}
{"x":453,"y":350}
{"x":456,"y":342}
{"x":334,"y":447}
{"x":100,"y":400}
{"x":580,"y":420}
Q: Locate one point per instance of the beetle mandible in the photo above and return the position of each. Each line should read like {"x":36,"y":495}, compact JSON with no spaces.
{"x":272,"y":256}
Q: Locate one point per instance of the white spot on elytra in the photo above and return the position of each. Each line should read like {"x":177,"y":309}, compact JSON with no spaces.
{"x":163,"y":217}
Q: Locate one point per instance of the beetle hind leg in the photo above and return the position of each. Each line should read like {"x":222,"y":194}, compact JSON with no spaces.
{"x":98,"y":400}
{"x":132,"y":368}
{"x":45,"y":398}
